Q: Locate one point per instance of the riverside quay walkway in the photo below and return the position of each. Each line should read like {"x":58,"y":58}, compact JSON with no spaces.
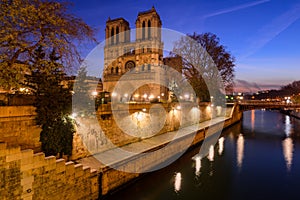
{"x":120,"y":167}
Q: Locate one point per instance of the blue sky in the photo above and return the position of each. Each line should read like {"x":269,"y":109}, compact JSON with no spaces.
{"x":263,"y":35}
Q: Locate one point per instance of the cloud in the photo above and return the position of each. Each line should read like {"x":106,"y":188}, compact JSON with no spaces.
{"x":236,"y":8}
{"x":270,"y":31}
{"x":252,"y":87}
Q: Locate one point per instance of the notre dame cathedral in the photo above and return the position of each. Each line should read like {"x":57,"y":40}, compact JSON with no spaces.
{"x":142,"y":57}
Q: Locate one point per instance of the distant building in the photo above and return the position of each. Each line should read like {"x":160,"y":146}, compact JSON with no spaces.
{"x":143,"y":57}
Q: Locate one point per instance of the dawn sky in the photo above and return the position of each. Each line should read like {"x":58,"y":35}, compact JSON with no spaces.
{"x":263,"y":35}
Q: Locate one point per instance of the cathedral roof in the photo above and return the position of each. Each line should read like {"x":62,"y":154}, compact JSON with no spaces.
{"x":117,"y":19}
{"x":148,"y":11}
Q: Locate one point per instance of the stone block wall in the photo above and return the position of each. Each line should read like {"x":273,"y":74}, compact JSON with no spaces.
{"x":18,"y":127}
{"x":130,"y":124}
{"x":24,"y":175}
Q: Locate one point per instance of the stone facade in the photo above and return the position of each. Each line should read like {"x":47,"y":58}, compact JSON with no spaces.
{"x":25,"y":175}
{"x":141,"y":59}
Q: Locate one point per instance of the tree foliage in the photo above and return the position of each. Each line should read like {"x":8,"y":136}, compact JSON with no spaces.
{"x":292,"y":88}
{"x":27,"y":24}
{"x":289,"y":90}
{"x":53,"y":103}
{"x":82,"y":101}
{"x":205,"y":61}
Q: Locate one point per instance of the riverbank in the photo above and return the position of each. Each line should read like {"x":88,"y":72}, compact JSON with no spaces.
{"x":152,"y":152}
{"x":292,"y":113}
{"x":252,"y":159}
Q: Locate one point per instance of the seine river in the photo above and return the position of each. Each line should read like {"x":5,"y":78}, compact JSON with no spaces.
{"x":259,"y":158}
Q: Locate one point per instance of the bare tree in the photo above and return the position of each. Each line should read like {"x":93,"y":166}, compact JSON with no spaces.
{"x":205,"y":61}
{"x":29,"y":24}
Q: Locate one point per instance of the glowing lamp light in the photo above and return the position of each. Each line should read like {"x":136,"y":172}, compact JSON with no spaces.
{"x":114,"y":94}
{"x":145,"y":96}
{"x":94,"y":93}
{"x":73,"y":115}
{"x":151,"y":96}
{"x":139,"y":116}
{"x":178,"y":107}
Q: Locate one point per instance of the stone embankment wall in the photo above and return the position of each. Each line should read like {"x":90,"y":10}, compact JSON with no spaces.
{"x":18,"y":127}
{"x":125,"y":124}
{"x":24,"y":175}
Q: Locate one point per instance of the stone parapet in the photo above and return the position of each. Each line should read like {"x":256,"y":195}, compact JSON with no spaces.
{"x":25,"y":175}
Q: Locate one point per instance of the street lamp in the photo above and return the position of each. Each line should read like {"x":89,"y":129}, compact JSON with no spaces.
{"x":94,"y":94}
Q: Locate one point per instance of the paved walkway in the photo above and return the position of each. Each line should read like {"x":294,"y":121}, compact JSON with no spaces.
{"x":117,"y":155}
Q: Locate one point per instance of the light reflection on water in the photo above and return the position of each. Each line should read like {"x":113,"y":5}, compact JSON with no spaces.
{"x":288,"y":126}
{"x":221,"y":145}
{"x":211,"y":153}
{"x":177,"y":183}
{"x":240,"y":150}
{"x":288,"y":148}
{"x":197,"y":165}
{"x":252,"y":119}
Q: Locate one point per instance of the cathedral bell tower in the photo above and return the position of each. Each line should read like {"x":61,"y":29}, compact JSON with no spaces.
{"x":143,"y":57}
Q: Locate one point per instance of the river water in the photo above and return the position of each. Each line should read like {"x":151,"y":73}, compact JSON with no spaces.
{"x":258,"y":158}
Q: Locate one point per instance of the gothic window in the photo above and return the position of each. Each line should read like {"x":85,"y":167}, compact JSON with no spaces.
{"x":143,"y":30}
{"x":126,"y":35}
{"x":149,"y":50}
{"x":132,"y":51}
{"x":112,"y":33}
{"x":129,"y":65}
{"x":143,"y":67}
{"x":149,"y":29}
{"x":112,"y":70}
{"x":117,"y":70}
{"x":117,"y":35}
{"x":149,"y":67}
